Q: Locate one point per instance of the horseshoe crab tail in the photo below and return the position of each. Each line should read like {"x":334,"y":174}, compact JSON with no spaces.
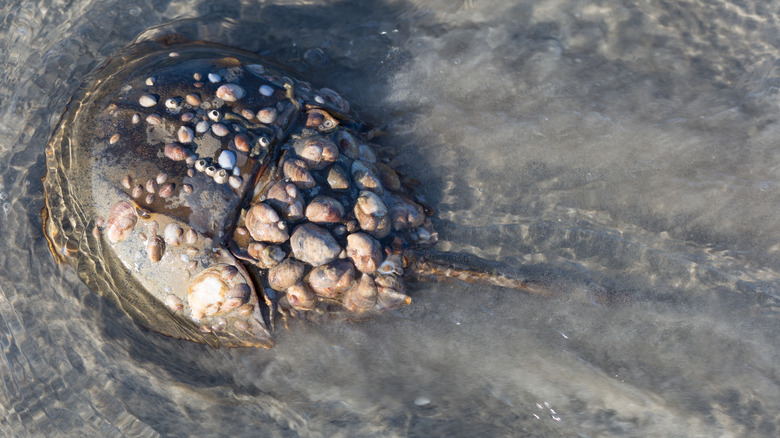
{"x":442,"y":266}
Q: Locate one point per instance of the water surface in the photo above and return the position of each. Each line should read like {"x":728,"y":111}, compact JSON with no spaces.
{"x":631,"y":145}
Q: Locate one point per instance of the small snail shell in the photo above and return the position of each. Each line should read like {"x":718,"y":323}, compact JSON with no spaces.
{"x":297,"y":172}
{"x":236,"y":296}
{"x":230,"y":92}
{"x":176,"y":152}
{"x":264,"y":225}
{"x":155,"y":248}
{"x":324,"y":209}
{"x":317,"y":152}
{"x":267,"y":115}
{"x":193,"y":99}
{"x":221,"y":176}
{"x":364,"y":251}
{"x":185,"y":134}
{"x":332,"y":279}
{"x":242,"y":143}
{"x":167,"y":190}
{"x":121,"y":221}
{"x":285,"y":274}
{"x":372,"y":214}
{"x":301,"y":297}
{"x":173,"y":234}
{"x":173,"y":302}
{"x":362,"y":296}
{"x":313,"y":244}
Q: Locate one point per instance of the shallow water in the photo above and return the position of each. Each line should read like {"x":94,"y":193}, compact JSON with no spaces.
{"x":626,"y":144}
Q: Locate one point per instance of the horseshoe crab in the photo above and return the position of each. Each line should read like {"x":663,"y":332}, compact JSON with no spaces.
{"x":204,"y":191}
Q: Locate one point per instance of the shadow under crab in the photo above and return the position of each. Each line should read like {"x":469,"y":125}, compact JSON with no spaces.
{"x":204,"y":191}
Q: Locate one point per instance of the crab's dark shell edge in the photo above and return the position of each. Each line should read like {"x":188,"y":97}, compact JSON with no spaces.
{"x":67,"y":217}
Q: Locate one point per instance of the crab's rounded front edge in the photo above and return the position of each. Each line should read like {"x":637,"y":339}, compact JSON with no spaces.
{"x":125,"y":207}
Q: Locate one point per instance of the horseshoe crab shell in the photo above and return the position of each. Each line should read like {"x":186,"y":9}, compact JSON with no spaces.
{"x":221,"y":145}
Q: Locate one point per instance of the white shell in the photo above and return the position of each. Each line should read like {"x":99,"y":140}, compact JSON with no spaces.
{"x":266,"y":90}
{"x":153,"y":119}
{"x":173,"y":234}
{"x":391,"y":265}
{"x":221,"y":176}
{"x":185,"y":134}
{"x":227,"y":159}
{"x":210,"y":290}
{"x":173,"y":104}
{"x":256,"y":69}
{"x":267,"y":115}
{"x":219,"y":130}
{"x":235,"y":181}
{"x":202,"y":127}
{"x":230,"y":92}
{"x":200,"y":165}
{"x":147,"y":100}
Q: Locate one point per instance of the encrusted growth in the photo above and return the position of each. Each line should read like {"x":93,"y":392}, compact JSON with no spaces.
{"x":226,"y":184}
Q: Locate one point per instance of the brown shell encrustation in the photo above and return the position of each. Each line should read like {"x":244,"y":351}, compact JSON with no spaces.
{"x":202,"y":190}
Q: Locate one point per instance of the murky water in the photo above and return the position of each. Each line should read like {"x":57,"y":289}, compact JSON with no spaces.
{"x":628,"y":144}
